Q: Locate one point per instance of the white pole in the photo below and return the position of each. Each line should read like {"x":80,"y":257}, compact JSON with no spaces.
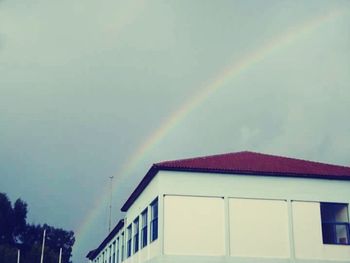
{"x":42,"y":248}
{"x":18,"y":255}
{"x":60,"y":257}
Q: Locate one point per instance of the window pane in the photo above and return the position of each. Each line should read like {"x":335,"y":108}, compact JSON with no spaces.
{"x":342,"y":232}
{"x":128,"y":245}
{"x":154,"y":220}
{"x":154,"y":229}
{"x":136,"y":235}
{"x":117,"y":253}
{"x":336,"y":213}
{"x":144,"y":229}
{"x":335,"y":223}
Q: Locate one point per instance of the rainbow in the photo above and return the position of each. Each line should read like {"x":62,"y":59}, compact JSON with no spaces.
{"x":226,"y":75}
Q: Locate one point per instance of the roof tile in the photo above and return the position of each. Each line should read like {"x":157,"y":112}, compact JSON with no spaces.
{"x":257,"y":163}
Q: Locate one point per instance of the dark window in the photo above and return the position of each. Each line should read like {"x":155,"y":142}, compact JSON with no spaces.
{"x":113,"y":252}
{"x":136,"y":235}
{"x":110,"y":254}
{"x":144,"y":219}
{"x":335,"y":223}
{"x":128,"y":244}
{"x":123,"y":247}
{"x":117,"y":253}
{"x":154,"y":220}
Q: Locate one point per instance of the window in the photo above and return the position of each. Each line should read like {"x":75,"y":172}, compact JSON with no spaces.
{"x":136,"y":235}
{"x":128,"y":245}
{"x":335,"y":223}
{"x":144,"y":219}
{"x":154,"y":220}
{"x":113,"y":251}
{"x":123,"y":246}
{"x":110,"y":254}
{"x":117,"y":255}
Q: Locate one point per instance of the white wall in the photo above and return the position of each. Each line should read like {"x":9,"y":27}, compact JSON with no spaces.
{"x":253,"y":186}
{"x":233,"y":238}
{"x":308,"y":234}
{"x":194,"y":226}
{"x":259,"y":228}
{"x":153,"y":249}
{"x":302,"y":240}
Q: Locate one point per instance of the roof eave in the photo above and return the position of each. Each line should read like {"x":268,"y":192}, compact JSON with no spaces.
{"x":93,"y":253}
{"x":140,"y":187}
{"x":344,"y":177}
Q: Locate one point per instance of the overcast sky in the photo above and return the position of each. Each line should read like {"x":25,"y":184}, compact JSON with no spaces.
{"x":85,"y":86}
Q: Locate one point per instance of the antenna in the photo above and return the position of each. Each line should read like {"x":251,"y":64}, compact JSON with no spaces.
{"x":110,"y":203}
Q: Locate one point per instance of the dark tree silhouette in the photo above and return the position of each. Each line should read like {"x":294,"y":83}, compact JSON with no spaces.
{"x":15,"y":234}
{"x":6,"y":220}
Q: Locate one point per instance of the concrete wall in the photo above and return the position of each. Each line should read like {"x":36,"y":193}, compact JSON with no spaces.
{"x":194,"y":226}
{"x":269,"y":219}
{"x":258,"y":228}
{"x":145,"y":199}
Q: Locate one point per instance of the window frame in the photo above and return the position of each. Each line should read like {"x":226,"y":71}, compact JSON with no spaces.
{"x":154,"y":220}
{"x":136,"y":235}
{"x":122,"y":246}
{"x":325,"y":224}
{"x":144,"y":228}
{"x":113,"y":251}
{"x":117,"y":250}
{"x":129,"y":241}
{"x":110,"y":254}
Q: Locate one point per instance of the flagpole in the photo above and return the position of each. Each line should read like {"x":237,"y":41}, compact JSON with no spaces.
{"x":42,"y":248}
{"x":18,"y":255}
{"x":60,"y":257}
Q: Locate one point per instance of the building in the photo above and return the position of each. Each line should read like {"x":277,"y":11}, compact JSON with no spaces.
{"x":235,"y":207}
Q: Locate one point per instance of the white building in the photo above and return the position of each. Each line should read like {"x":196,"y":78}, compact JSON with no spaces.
{"x":238,"y":207}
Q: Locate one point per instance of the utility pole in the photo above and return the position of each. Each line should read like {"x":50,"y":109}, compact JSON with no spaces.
{"x":42,"y":248}
{"x":110,"y":204}
{"x":18,"y":255}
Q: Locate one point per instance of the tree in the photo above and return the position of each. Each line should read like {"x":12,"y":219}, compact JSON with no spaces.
{"x":16,"y":233}
{"x":6,"y":220}
{"x":8,"y":253}
{"x":19,"y":217}
{"x":56,"y":238}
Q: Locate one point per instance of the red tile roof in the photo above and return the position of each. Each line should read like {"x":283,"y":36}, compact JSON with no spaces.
{"x":252,"y":162}
{"x":248,"y":163}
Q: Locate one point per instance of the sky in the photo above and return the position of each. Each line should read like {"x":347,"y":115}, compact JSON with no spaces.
{"x":92,"y":89}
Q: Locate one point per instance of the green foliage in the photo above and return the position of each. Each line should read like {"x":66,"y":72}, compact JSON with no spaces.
{"x":8,"y":253}
{"x":16,"y":234}
{"x":6,"y":220}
